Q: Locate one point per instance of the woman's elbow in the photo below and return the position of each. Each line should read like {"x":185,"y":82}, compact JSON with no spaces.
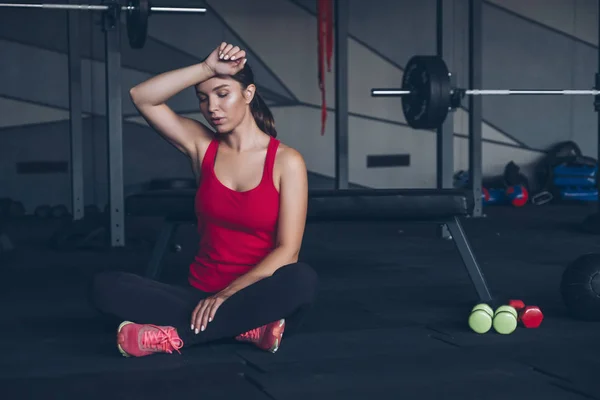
{"x":137,"y":98}
{"x":293,"y":254}
{"x":133,"y":95}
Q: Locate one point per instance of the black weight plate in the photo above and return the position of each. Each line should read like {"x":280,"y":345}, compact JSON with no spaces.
{"x":42,"y":211}
{"x":59,"y":211}
{"x":137,"y":23}
{"x":5,"y":204}
{"x":428,"y":80}
{"x":16,"y":209}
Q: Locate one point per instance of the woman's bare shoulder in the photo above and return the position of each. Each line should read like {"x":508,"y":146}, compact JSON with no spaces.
{"x":289,"y":160}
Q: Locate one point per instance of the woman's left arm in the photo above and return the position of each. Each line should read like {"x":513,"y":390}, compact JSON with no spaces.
{"x":293,"y":203}
{"x":293,"y":194}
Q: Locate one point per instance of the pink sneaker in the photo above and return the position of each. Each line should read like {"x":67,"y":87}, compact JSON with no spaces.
{"x":137,"y":340}
{"x":267,"y":337}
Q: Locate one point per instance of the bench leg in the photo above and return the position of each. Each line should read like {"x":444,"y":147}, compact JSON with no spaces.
{"x":468,"y":258}
{"x":5,"y":243}
{"x":160,"y":247}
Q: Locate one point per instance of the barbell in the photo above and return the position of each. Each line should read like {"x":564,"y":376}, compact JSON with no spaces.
{"x":137,"y":11}
{"x":427,"y":94}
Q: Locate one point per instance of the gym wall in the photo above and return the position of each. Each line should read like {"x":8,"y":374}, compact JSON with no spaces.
{"x":533,"y":44}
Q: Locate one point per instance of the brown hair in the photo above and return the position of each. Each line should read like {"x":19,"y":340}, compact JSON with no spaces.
{"x":260,"y":111}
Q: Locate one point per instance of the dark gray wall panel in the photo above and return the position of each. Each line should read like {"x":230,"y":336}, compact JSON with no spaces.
{"x":191,"y":40}
{"x":527,"y":56}
{"x":145,"y":155}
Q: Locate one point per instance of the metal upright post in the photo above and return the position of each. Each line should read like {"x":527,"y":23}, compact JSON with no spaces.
{"x":75,"y":120}
{"x":475,"y":105}
{"x":341,"y":95}
{"x":114,"y":117}
{"x":591,"y":223}
{"x":445,"y":133}
{"x":597,"y":107}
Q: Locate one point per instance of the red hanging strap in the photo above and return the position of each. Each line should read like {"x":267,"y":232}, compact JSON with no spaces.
{"x":325,"y":48}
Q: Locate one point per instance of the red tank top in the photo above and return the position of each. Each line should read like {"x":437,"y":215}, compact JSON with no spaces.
{"x":237,"y":229}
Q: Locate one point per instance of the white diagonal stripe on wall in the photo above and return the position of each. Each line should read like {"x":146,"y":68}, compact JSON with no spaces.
{"x":18,"y":113}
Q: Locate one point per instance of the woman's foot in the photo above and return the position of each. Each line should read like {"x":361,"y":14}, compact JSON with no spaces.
{"x":267,"y":337}
{"x":138,"y":340}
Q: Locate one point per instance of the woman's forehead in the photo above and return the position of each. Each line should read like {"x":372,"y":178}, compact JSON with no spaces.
{"x":213,"y":84}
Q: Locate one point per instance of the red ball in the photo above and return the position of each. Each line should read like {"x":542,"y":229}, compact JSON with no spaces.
{"x":517,"y":195}
{"x":516,"y":304}
{"x":531,"y":316}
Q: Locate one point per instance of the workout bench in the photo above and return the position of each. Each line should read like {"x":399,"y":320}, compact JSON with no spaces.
{"x":442,"y":207}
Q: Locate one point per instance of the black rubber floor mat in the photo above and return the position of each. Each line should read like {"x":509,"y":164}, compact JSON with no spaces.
{"x":94,"y":354}
{"x":456,"y":378}
{"x":555,"y":350}
{"x":413,"y":360}
{"x":197,"y":383}
{"x":568,"y":366}
{"x":424,"y":273}
{"x":553,"y":331}
{"x":341,"y":314}
{"x":312,"y":348}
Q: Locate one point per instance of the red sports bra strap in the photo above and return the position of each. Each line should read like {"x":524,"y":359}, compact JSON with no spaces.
{"x":270,"y":159}
{"x":208,"y":162}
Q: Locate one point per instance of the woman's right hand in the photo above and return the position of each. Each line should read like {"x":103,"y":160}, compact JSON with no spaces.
{"x":226,"y":59}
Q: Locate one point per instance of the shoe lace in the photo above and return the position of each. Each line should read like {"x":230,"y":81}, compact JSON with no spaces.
{"x":162,"y":339}
{"x":251,"y":335}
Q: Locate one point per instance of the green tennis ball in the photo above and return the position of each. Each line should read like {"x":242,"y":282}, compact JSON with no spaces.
{"x":504,"y":322}
{"x":484,"y":307}
{"x":480,"y":319}
{"x":509,"y":309}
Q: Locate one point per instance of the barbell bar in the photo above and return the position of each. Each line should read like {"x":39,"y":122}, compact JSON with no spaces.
{"x":487,"y":92}
{"x":137,"y":14}
{"x":89,"y":7}
{"x":427,"y":95}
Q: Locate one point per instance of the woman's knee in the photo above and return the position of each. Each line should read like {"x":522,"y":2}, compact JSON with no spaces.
{"x":303,"y":278}
{"x":307,"y":275}
{"x":103,"y":281}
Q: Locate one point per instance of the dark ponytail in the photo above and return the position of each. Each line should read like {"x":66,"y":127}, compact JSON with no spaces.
{"x":260,"y":111}
{"x":262,"y":115}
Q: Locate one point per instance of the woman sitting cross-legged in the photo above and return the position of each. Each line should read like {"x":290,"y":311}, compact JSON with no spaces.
{"x":245,"y":281}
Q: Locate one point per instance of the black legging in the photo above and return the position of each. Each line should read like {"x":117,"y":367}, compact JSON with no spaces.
{"x":288,"y":293}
